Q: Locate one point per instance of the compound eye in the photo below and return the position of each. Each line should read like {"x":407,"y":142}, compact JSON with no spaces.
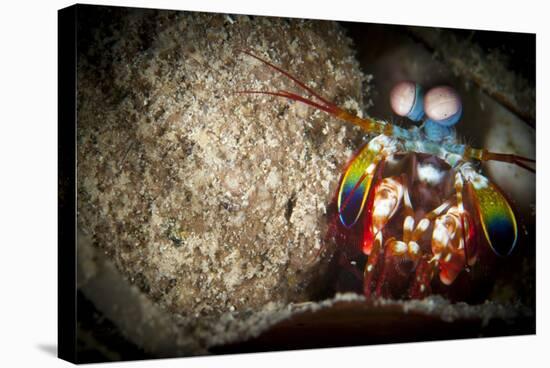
{"x":407,"y":99}
{"x":443,"y":106}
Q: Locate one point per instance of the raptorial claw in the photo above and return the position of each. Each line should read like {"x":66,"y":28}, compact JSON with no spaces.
{"x":386,"y":199}
{"x":448,"y":244}
{"x":494,"y":212}
{"x":358,"y":177}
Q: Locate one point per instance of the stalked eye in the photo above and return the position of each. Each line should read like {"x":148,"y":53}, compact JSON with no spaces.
{"x":443,"y":106}
{"x":407,"y":99}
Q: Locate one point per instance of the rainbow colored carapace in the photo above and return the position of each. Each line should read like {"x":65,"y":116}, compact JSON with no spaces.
{"x":496,"y":216}
{"x":355,"y":185}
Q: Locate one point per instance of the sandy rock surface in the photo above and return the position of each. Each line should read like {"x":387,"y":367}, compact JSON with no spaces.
{"x":207,"y":200}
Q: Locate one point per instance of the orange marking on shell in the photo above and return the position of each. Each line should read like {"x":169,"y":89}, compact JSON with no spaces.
{"x":448,"y":245}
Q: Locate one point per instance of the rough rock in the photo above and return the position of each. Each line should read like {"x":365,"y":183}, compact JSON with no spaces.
{"x":208,"y":200}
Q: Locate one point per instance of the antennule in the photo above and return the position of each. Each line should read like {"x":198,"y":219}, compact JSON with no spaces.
{"x":368,"y":124}
{"x":485,"y":155}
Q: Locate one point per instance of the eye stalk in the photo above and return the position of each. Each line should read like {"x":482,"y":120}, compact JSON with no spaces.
{"x":407,"y":100}
{"x":443,"y":106}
